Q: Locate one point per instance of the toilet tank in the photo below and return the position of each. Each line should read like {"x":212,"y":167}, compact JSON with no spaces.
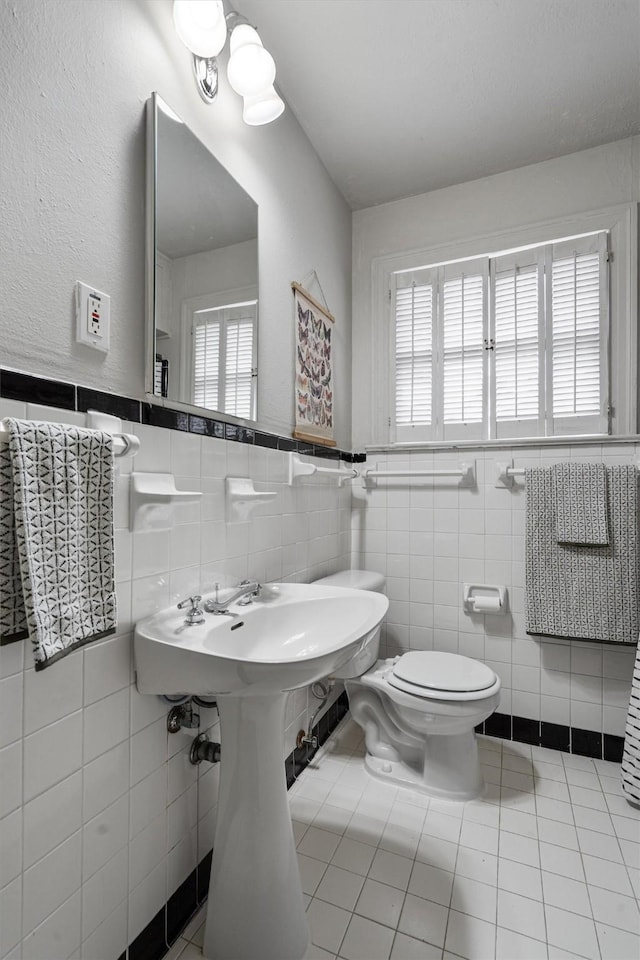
{"x":367,"y":655}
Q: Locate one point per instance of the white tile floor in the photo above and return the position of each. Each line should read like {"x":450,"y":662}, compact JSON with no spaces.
{"x":546,"y":866}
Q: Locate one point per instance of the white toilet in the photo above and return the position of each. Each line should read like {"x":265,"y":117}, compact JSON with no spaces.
{"x":418,"y":711}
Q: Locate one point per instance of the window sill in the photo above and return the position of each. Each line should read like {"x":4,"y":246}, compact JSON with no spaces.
{"x":502,"y":444}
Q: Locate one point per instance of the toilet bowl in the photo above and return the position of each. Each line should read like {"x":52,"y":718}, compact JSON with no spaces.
{"x":418,"y":711}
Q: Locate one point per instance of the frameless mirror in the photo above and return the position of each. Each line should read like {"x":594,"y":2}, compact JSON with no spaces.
{"x":202,"y":274}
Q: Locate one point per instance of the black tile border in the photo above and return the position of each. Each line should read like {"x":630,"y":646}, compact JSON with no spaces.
{"x":123,"y":407}
{"x":181,"y":906}
{"x":554,"y":736}
{"x":69,"y":396}
{"x":50,"y":393}
{"x":151,"y":943}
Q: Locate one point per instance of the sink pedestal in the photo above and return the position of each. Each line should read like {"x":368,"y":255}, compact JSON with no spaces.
{"x":255,"y":907}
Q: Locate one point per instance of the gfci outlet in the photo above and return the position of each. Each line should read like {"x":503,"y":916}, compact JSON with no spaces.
{"x":92,"y":317}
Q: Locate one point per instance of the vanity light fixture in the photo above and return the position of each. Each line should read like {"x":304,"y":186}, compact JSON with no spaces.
{"x":203,"y":28}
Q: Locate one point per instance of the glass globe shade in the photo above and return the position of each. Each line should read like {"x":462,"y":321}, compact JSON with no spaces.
{"x":251,"y":68}
{"x":201,"y":25}
{"x":263,"y":108}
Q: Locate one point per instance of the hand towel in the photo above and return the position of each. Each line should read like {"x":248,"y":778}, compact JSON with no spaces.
{"x":581,"y":503}
{"x":583,"y":592}
{"x":56,"y":537}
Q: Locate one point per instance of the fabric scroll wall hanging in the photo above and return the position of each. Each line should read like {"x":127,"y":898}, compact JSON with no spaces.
{"x":314,"y":372}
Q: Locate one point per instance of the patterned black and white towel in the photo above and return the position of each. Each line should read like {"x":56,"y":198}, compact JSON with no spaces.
{"x":583,"y":592}
{"x":581,"y":503}
{"x":56,"y":537}
{"x":631,"y":753}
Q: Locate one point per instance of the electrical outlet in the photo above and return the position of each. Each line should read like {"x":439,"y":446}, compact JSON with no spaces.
{"x":92,"y":317}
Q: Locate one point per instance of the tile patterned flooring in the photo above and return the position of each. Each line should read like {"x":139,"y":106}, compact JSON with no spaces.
{"x":545,"y":866}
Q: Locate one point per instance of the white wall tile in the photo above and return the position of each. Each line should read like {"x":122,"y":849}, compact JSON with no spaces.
{"x":145,"y":901}
{"x":104,"y":836}
{"x":52,"y":694}
{"x":52,"y":817}
{"x":102,"y":893}
{"x":52,"y":754}
{"x":105,"y":779}
{"x":10,"y":847}
{"x":10,"y":916}
{"x":147,"y":850}
{"x":11,"y":709}
{"x":110,"y":938}
{"x":62,"y":928}
{"x":107,"y":667}
{"x":50,"y":882}
{"x":148,"y":750}
{"x":11,"y":658}
{"x":106,"y":723}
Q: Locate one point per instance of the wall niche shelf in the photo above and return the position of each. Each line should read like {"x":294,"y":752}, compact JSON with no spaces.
{"x":242,"y":497}
{"x":152,"y":498}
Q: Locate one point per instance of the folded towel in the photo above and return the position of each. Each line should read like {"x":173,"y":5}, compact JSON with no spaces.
{"x":583,"y":592}
{"x":581,"y":503}
{"x":56,"y":537}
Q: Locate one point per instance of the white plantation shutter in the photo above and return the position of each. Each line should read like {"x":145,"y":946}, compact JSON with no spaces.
{"x":206,"y":360}
{"x":239,"y":367}
{"x":577,"y":303}
{"x":413,"y":344}
{"x":517,"y":336}
{"x":463,"y":319}
{"x":506,"y":346}
{"x":224,"y":359}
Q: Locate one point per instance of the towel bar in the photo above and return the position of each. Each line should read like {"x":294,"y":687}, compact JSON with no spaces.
{"x":505,"y":473}
{"x":298,"y":468}
{"x":465,"y":471}
{"x":124,"y":444}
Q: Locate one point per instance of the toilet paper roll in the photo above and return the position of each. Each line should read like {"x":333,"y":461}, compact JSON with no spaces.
{"x":486,"y":605}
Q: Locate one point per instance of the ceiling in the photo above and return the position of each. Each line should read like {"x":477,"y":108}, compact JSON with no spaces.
{"x":399,"y":97}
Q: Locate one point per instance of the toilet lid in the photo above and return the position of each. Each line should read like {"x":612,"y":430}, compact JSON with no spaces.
{"x":432,"y":670}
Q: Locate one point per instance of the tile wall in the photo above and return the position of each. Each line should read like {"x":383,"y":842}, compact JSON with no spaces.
{"x":101,"y":815}
{"x":429,"y":537}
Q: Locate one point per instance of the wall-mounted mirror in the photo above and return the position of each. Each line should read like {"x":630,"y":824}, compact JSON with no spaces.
{"x":202,"y":274}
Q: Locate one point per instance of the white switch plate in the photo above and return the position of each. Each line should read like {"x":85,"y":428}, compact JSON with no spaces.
{"x":92,"y":317}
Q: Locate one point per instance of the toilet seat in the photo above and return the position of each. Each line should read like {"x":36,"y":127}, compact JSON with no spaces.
{"x":432,"y":674}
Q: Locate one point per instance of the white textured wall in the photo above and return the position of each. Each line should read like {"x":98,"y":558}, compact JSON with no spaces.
{"x":75,"y":75}
{"x":555,"y":189}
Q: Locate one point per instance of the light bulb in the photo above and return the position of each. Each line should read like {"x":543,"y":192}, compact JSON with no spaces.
{"x":251,"y":69}
{"x":263,"y":108}
{"x":201,"y":25}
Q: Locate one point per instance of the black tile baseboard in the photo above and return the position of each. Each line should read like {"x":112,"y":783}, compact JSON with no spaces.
{"x":554,"y":736}
{"x":69,"y":396}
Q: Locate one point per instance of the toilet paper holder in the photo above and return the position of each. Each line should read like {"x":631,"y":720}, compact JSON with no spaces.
{"x":485,"y":598}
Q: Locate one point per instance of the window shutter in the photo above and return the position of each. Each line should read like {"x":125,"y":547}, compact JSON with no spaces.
{"x":464,"y":330}
{"x":239,"y":368}
{"x":578,"y":311}
{"x":517,"y":332}
{"x":413,"y":333}
{"x":206,"y":361}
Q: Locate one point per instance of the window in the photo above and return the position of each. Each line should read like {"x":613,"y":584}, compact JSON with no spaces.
{"x":223,"y":372}
{"x":503,"y":346}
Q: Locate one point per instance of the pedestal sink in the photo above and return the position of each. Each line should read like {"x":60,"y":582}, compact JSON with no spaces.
{"x":290,"y":636}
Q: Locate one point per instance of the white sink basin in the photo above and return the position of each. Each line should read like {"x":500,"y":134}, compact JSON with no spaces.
{"x":288,"y":637}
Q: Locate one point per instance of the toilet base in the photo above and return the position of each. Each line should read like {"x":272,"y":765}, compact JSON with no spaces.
{"x":451,"y":769}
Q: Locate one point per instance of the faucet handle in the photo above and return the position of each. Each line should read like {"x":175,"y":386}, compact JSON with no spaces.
{"x":194,"y":614}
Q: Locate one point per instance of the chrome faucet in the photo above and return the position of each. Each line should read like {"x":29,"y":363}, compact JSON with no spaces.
{"x":194,"y":614}
{"x":246,"y":588}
